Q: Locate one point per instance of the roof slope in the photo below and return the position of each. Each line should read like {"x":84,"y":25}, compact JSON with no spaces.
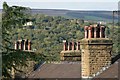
{"x":72,"y":70}
{"x":66,"y":70}
{"x":112,"y":72}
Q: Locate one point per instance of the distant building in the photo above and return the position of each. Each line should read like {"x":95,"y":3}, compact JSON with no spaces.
{"x":94,"y":52}
{"x":101,"y":22}
{"x":29,"y":25}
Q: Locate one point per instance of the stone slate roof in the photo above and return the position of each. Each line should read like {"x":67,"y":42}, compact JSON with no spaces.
{"x":72,"y":70}
{"x":112,"y":72}
{"x":63,"y":70}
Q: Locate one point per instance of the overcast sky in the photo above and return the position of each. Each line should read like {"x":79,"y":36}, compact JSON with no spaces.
{"x":66,"y":4}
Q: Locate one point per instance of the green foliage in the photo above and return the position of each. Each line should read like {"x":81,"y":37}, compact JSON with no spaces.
{"x":51,"y":31}
{"x":114,"y":35}
{"x":12,"y":17}
{"x":116,"y":40}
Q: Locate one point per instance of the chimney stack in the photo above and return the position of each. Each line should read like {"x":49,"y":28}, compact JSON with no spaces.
{"x":94,"y":31}
{"x":15,"y":46}
{"x":78,"y":46}
{"x":86,"y":31}
{"x":95,"y":51}
{"x":73,"y":47}
{"x":29,"y":45}
{"x":64,"y":45}
{"x":22,"y":44}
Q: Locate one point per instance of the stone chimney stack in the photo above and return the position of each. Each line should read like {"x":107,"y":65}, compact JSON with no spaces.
{"x":71,"y":51}
{"x":95,"y":51}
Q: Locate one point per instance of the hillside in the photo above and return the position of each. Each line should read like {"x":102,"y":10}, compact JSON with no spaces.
{"x":75,"y":14}
{"x":86,"y":15}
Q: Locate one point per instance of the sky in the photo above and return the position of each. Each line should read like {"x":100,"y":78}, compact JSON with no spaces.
{"x":108,"y":5}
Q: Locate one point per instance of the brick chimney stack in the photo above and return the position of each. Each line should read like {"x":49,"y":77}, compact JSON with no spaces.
{"x":71,"y":51}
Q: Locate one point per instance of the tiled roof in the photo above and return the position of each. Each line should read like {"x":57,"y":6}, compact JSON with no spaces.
{"x":72,"y":70}
{"x":112,"y":72}
{"x":64,"y":70}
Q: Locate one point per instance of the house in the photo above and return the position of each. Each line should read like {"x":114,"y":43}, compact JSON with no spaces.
{"x":94,"y":63}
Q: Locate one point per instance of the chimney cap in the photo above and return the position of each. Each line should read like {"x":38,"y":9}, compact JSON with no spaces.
{"x":95,"y":25}
{"x":20,"y":40}
{"x":90,"y":27}
{"x":103,"y":26}
{"x":86,"y":27}
{"x":64,"y":40}
{"x":29,"y":40}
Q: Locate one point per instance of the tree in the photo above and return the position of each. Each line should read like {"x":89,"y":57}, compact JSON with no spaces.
{"x":12,"y":17}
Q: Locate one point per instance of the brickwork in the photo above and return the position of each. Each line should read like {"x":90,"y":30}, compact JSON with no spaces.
{"x":95,"y":51}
